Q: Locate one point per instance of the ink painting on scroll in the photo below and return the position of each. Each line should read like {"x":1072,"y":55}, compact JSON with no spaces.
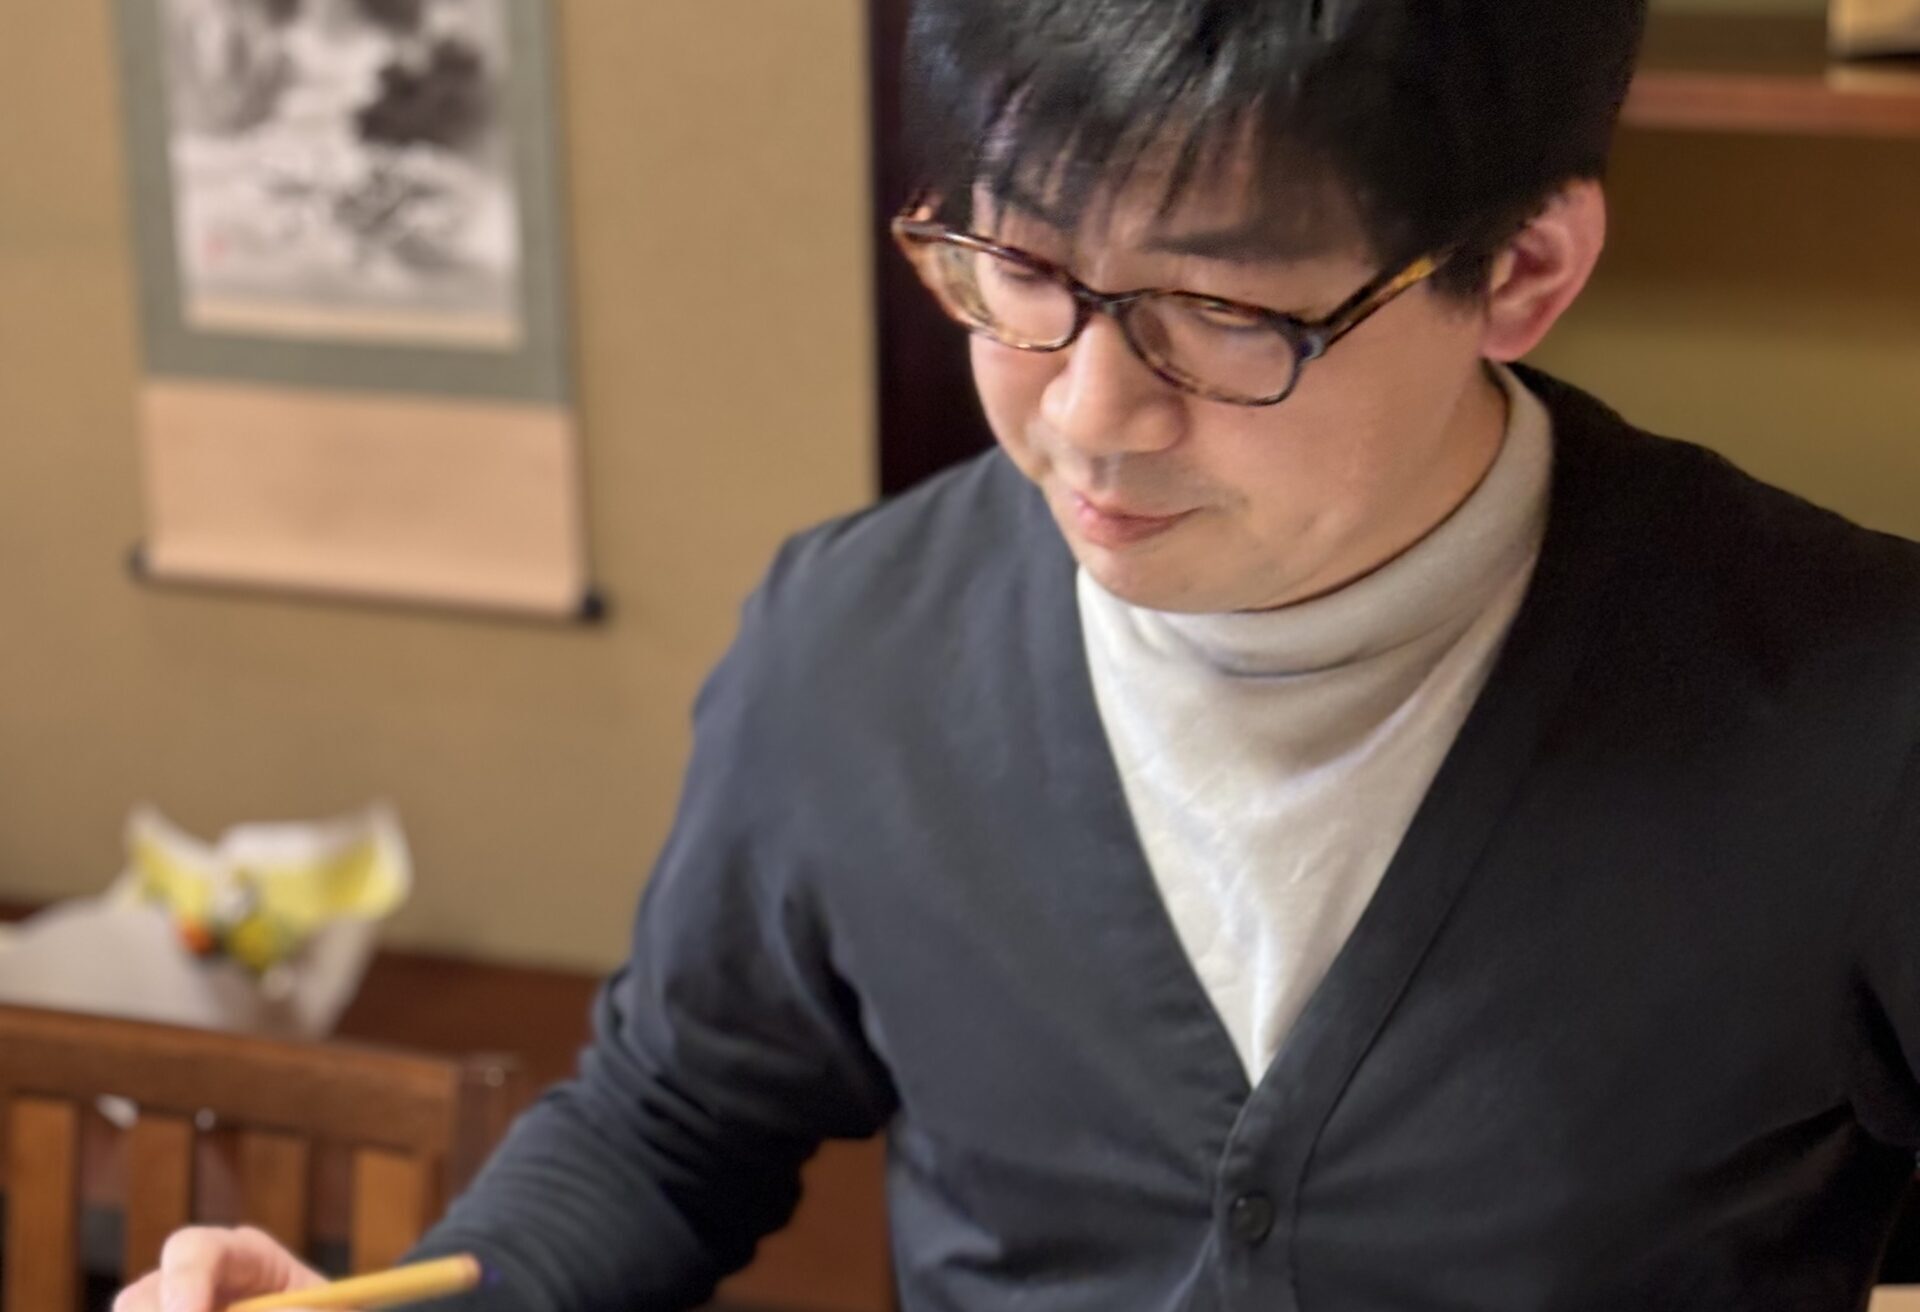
{"x":343,"y":168}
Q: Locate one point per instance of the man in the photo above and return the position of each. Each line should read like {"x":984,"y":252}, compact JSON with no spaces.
{"x":1321,"y":819}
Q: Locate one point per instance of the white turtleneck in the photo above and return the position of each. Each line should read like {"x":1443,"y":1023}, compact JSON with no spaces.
{"x":1273,"y":760}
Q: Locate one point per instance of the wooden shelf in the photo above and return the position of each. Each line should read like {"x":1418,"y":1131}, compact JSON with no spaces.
{"x":1767,"y":74}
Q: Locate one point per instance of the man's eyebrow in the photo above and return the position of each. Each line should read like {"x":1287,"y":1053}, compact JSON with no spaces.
{"x":1254,"y":243}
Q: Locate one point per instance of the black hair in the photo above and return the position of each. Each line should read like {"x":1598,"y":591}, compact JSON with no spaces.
{"x":1432,"y":125}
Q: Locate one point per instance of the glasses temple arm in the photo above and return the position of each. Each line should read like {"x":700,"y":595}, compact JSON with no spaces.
{"x":1356,"y":309}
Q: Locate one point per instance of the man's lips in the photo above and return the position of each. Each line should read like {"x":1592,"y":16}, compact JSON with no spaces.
{"x":1113,"y":526}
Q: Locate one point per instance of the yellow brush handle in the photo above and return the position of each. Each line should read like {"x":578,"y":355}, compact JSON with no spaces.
{"x":406,"y":1284}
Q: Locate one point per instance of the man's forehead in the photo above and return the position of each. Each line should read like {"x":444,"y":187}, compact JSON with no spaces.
{"x":1233,"y":212}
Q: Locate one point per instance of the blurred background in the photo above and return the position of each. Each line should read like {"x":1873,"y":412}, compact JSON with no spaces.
{"x":726,"y":170}
{"x":717,"y":166}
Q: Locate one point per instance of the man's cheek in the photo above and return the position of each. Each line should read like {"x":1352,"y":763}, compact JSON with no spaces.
{"x":1009,"y":393}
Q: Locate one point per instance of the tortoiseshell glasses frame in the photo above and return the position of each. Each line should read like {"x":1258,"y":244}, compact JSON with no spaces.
{"x":930,"y":245}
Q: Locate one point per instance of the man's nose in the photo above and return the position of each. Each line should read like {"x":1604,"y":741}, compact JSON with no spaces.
{"x":1105,"y":400}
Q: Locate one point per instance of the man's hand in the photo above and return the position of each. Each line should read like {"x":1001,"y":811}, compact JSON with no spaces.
{"x":206,"y":1268}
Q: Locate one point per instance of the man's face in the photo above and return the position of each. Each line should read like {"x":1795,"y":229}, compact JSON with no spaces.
{"x":1178,"y":503}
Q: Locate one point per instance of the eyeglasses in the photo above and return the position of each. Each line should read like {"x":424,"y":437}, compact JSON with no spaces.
{"x":1222,"y":350}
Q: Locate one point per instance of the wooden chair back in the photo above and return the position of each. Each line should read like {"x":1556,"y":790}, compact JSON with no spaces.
{"x":417,"y":1127}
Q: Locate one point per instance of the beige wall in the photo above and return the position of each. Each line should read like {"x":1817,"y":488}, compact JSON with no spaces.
{"x":725,"y":388}
{"x":1763,"y":296}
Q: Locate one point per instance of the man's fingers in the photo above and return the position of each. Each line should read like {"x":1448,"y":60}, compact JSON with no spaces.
{"x":143,"y":1295}
{"x":191,"y":1263}
{"x":267,"y":1263}
{"x":204,"y":1268}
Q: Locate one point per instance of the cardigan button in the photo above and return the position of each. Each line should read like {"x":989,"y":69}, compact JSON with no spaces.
{"x":1250,"y":1219}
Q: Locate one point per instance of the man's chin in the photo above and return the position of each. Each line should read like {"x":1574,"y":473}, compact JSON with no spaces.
{"x":1151,"y":574}
{"x":1148,"y":585}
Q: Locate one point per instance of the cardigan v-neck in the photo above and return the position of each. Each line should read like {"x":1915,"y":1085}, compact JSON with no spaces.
{"x":1272,"y":760}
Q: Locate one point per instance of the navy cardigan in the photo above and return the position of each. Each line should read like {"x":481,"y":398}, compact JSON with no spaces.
{"x":1630,"y":1024}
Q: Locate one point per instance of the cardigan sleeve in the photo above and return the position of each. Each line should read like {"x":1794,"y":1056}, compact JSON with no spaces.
{"x":725,"y":1051}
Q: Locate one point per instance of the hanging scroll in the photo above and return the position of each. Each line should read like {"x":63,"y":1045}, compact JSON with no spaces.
{"x":348,"y":239}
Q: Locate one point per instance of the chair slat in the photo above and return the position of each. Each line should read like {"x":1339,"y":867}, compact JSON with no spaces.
{"x":273,"y":1185}
{"x":393,"y":1201}
{"x":159,"y":1186}
{"x":42,"y":1214}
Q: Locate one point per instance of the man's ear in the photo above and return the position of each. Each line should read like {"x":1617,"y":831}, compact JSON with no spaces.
{"x":1540,"y":272}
